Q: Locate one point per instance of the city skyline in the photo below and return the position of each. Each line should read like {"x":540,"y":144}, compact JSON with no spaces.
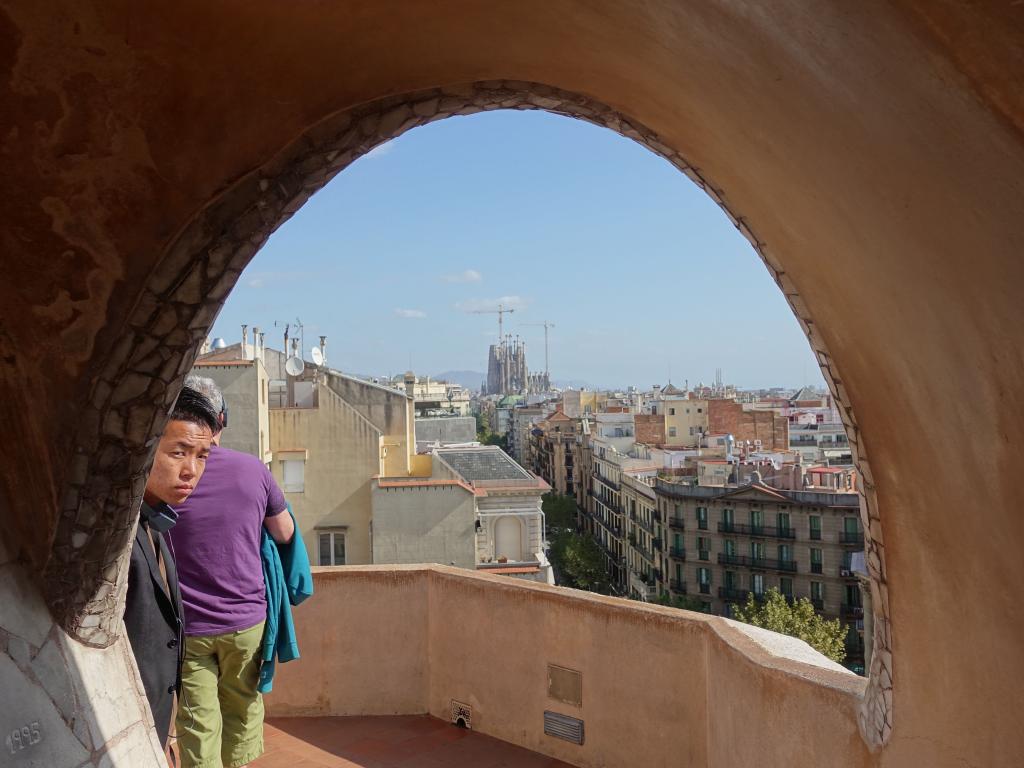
{"x":644,"y":278}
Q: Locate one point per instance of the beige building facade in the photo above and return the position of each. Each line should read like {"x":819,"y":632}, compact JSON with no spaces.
{"x":474,"y":508}
{"x":327,"y":452}
{"x":424,"y":520}
{"x":552,"y":441}
{"x":241,"y":373}
{"x":685,"y":420}
{"x":644,"y":535}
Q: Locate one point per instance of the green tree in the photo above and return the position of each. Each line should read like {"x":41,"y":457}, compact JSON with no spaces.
{"x":796,"y":620}
{"x":685,"y":602}
{"x":485,"y":437}
{"x":583,"y":563}
{"x":491,"y":438}
{"x":578,"y":562}
{"x":559,"y":511}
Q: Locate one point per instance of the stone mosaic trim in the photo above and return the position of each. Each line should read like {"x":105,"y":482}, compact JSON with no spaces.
{"x":130,"y":398}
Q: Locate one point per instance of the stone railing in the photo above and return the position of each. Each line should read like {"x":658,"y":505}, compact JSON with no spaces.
{"x":660,"y":686}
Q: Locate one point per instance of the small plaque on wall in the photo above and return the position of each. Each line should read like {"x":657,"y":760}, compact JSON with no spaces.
{"x":565,"y":685}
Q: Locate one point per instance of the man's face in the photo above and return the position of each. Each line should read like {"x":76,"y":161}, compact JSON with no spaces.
{"x":179,"y":462}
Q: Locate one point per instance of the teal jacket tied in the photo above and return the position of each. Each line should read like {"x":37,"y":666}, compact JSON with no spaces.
{"x":289,"y":581}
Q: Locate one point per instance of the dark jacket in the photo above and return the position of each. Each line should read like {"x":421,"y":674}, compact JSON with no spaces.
{"x":153,"y":620}
{"x":289,"y":581}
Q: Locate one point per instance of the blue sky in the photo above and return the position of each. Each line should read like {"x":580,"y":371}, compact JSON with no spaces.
{"x":639,"y":271}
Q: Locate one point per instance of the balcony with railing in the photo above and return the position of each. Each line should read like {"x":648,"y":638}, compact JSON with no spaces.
{"x":733,"y":594}
{"x":679,"y":553}
{"x":676,"y":522}
{"x":855,"y":538}
{"x":677,"y":585}
{"x":848,"y":611}
{"x":763,"y":531}
{"x":764,"y":563}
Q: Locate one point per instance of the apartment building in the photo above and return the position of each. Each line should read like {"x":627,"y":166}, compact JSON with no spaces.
{"x":327,"y":448}
{"x":581,"y":402}
{"x":473,"y":507}
{"x":552,"y":440}
{"x":685,"y":419}
{"x":728,"y":543}
{"x":645,"y":577}
{"x":607,"y":512}
{"x":433,"y":397}
{"x":524,"y":418}
{"x":816,"y":439}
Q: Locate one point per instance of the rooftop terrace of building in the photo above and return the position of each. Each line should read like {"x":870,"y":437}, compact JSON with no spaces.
{"x":409,"y":640}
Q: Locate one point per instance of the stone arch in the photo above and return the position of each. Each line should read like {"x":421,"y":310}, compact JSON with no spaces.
{"x":128,"y":400}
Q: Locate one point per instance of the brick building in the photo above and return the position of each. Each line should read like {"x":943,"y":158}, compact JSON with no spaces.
{"x":729,"y":417}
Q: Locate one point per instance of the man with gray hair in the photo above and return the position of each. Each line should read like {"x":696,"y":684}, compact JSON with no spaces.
{"x":216,"y":544}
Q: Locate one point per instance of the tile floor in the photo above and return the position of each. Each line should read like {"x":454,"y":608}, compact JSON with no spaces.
{"x":417,"y":741}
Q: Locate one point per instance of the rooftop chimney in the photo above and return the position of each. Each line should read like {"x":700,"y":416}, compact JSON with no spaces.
{"x":245,"y":342}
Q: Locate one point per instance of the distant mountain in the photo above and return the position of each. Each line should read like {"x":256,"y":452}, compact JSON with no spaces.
{"x":468,"y":379}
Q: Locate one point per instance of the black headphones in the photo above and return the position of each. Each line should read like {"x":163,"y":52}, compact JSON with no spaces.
{"x":161,"y":518}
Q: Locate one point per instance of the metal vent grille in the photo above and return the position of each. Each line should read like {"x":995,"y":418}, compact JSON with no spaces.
{"x":462,"y":715}
{"x":563,"y":727}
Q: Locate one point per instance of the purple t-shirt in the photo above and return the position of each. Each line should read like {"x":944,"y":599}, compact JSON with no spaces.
{"x":216,"y":543}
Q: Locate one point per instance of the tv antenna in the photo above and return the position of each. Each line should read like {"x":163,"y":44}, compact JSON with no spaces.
{"x":302,"y":334}
{"x":500,"y":312}
{"x":545,"y":325}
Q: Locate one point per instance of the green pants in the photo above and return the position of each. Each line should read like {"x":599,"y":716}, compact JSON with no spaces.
{"x":220,"y":714}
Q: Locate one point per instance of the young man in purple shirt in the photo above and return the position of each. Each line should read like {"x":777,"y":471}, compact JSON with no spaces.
{"x":216,"y":544}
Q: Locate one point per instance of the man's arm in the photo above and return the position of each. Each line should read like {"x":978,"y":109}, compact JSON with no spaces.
{"x":277,"y":520}
{"x":281,"y":527}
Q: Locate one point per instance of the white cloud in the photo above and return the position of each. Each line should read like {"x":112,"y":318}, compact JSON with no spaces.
{"x":466,"y":276}
{"x":479,"y":305}
{"x":380,"y":150}
{"x":415,"y":314}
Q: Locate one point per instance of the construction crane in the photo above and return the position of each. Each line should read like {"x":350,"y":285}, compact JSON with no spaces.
{"x":500,"y":312}
{"x":544,"y":325}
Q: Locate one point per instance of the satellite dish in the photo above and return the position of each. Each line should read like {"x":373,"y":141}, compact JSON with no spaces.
{"x":317,"y":355}
{"x":294,"y":366}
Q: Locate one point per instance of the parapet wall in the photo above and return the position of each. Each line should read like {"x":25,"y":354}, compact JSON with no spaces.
{"x":660,"y":687}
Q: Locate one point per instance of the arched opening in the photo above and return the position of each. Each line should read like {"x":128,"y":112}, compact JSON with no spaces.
{"x":184,"y":294}
{"x":873,"y":147}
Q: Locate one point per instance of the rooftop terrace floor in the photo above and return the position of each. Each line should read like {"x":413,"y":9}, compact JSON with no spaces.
{"x":387,"y":742}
